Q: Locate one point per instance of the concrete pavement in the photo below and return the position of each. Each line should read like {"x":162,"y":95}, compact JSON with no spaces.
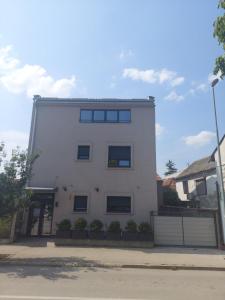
{"x":52,"y":283}
{"x":43,"y":252}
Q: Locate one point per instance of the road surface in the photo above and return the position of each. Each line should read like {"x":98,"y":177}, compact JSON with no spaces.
{"x":54,"y":283}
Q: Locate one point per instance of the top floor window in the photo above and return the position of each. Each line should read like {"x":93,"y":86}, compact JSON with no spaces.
{"x":105,"y":115}
{"x":86,"y":115}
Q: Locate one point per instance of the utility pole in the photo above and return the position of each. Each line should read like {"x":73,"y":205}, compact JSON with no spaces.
{"x":219,"y":167}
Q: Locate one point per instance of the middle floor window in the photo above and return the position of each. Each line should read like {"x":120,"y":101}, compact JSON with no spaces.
{"x":83,"y":152}
{"x":119,"y":156}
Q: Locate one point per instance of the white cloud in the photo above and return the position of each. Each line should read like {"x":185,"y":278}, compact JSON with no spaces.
{"x":201,"y":87}
{"x":173,"y":96}
{"x":125,"y":54}
{"x":6,"y":61}
{"x":159,"y":129}
{"x":12,"y":139}
{"x":177,"y":81}
{"x":31,"y":79}
{"x":152,"y":76}
{"x":201,"y":139}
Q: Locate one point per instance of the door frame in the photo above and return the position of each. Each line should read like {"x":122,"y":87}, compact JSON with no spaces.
{"x":41,"y":214}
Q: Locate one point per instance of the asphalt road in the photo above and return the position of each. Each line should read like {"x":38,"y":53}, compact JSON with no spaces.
{"x":44,"y":283}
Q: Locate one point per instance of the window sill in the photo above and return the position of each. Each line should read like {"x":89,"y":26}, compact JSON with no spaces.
{"x":119,"y":168}
{"x":83,"y":160}
{"x":80,"y":212}
{"x":119,"y":213}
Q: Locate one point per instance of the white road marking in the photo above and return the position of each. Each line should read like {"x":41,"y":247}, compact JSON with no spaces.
{"x":59,"y":298}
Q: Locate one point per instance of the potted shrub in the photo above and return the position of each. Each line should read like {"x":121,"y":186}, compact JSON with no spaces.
{"x":145,"y":232}
{"x":114,"y":231}
{"x":64,"y":229}
{"x":79,"y":231}
{"x":96,"y":231}
{"x":130,"y":233}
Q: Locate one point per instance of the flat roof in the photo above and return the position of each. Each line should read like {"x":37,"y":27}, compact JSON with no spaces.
{"x":54,"y":100}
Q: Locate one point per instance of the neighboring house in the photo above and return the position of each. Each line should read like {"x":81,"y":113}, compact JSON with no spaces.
{"x":169,"y":181}
{"x":97,"y":161}
{"x":214,"y":156}
{"x":159,"y":191}
{"x":198,"y":182}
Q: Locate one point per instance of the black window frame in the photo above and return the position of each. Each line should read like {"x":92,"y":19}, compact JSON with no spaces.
{"x":86,"y":121}
{"x":198,"y":182}
{"x":124,"y":121}
{"x":116,"y":163}
{"x":113,"y":208}
{"x":185,"y":187}
{"x":98,"y":121}
{"x":79,"y":157}
{"x":117,"y":115}
{"x":92,"y":120}
{"x":82,"y":210}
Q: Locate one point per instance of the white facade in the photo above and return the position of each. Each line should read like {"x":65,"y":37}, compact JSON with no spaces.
{"x":56,"y":133}
{"x":222,"y":152}
{"x":206,"y":201}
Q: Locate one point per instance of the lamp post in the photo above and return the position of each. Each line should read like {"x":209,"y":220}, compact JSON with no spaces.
{"x":219,"y":167}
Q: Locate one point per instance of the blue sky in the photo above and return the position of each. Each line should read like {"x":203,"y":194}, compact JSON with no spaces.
{"x":129,"y":48}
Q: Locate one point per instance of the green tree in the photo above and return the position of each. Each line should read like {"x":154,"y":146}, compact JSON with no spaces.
{"x":2,"y":153}
{"x":170,"y":165}
{"x":170,"y":197}
{"x":13,"y":178}
{"x":219,"y":33}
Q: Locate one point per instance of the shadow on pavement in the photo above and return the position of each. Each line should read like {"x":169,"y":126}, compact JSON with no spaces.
{"x":48,"y":268}
{"x":34,"y":241}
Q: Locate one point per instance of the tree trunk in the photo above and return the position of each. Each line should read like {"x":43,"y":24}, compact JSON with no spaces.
{"x":13,"y":228}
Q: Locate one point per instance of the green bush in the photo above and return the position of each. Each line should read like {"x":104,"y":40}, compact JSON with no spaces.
{"x":96,"y":226}
{"x":131,"y":226}
{"x":144,"y":227}
{"x":114,"y":227}
{"x":64,"y":225}
{"x":5,"y":226}
{"x":80,"y":224}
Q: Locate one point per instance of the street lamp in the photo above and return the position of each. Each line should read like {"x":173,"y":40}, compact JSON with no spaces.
{"x":220,"y":172}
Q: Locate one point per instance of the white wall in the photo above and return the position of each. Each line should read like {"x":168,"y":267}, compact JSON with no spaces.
{"x":208,"y":201}
{"x":222,"y":151}
{"x":57,"y":134}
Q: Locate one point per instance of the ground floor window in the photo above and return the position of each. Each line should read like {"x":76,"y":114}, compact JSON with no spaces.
{"x":80,"y":203}
{"x":118,"y":204}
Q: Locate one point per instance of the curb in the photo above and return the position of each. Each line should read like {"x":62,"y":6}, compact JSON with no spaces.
{"x":111,"y":266}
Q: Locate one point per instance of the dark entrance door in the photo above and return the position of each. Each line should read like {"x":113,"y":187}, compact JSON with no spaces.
{"x":40,"y":214}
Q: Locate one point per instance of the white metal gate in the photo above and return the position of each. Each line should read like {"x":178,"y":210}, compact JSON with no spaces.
{"x":185,"y":231}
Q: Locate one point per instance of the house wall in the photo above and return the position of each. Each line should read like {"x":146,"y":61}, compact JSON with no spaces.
{"x":206,"y":201}
{"x":222,"y":151}
{"x":56,"y":137}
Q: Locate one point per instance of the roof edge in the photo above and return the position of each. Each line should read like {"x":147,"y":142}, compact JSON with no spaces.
{"x":212,"y":157}
{"x":53,"y":100}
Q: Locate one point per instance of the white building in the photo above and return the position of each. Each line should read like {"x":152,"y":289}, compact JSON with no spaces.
{"x":97,"y":161}
{"x":198,"y":182}
{"x":214,"y":156}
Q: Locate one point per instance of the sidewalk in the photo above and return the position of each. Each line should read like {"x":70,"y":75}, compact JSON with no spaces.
{"x":44,"y":253}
